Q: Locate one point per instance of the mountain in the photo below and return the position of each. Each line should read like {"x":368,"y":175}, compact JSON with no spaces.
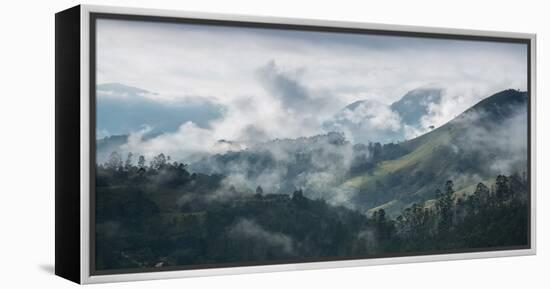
{"x":315,"y":164}
{"x":367,"y":121}
{"x":161,"y":215}
{"x":282,"y":199}
{"x":415,"y":104}
{"x":105,"y":146}
{"x":485,"y":141}
{"x":371,"y":121}
{"x":488,"y":139}
{"x":120,"y":89}
{"x":125,"y":109}
{"x":474,"y":147}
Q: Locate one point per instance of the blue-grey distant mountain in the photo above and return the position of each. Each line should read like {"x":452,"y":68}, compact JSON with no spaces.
{"x":415,"y":104}
{"x":126,"y":109}
{"x":368,"y":120}
{"x":105,"y":146}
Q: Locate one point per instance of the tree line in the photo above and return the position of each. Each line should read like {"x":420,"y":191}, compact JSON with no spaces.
{"x":159,"y":214}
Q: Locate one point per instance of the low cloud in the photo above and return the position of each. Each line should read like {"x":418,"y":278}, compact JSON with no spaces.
{"x":122,"y":109}
{"x":249,"y":230}
{"x":188,"y":142}
{"x":274,"y":83}
{"x":367,"y":121}
{"x":316,"y":165}
{"x":267,"y":84}
{"x":503,"y":146}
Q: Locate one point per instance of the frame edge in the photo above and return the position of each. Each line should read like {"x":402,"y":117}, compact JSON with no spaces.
{"x":87,"y":278}
{"x":67,"y":140}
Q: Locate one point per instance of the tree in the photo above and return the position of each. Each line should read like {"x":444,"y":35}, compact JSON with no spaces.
{"x":158,"y":161}
{"x":478,"y":199}
{"x":438,"y":194}
{"x":380,"y":216}
{"x":518,"y":186}
{"x":298,"y":195}
{"x":482,"y":193}
{"x":376,"y":151}
{"x":299,"y":199}
{"x":141,"y":162}
{"x":128,"y":162}
{"x":115,"y":161}
{"x":445,"y":207}
{"x":502,"y":189}
{"x":181,"y":166}
{"x":384,"y":226}
{"x":259,"y":190}
{"x":449,"y":188}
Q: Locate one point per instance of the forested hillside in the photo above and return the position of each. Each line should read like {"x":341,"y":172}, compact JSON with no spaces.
{"x":157,"y":214}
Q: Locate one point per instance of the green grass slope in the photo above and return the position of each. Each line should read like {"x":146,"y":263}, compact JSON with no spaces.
{"x":463,"y":150}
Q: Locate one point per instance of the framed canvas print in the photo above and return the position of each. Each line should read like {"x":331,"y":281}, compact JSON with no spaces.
{"x":192,"y":144}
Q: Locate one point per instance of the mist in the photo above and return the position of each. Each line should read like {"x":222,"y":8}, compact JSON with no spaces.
{"x":279,"y":102}
{"x":265,"y":84}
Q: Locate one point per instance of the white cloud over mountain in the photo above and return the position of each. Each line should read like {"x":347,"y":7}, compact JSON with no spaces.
{"x":286,"y":84}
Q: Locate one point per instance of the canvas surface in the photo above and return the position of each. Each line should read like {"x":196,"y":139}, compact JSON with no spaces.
{"x":228,"y":146}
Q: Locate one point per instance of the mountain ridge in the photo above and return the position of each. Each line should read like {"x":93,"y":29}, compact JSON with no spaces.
{"x":471,"y":148}
{"x":448,"y":151}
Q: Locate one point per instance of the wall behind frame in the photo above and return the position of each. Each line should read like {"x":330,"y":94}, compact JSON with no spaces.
{"x":27,"y":117}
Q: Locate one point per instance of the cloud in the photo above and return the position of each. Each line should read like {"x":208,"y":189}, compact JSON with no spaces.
{"x":222,"y":61}
{"x":367,"y":121}
{"x":416,"y":103}
{"x":249,"y":230}
{"x":188,"y":142}
{"x":243,"y":87}
{"x":457,"y":97}
{"x":315,"y":165}
{"x":288,"y":91}
{"x":502,"y":146}
{"x":123,"y":109}
{"x":285,"y":83}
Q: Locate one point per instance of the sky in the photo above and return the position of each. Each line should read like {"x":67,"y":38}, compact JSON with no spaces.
{"x":194,"y":85}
